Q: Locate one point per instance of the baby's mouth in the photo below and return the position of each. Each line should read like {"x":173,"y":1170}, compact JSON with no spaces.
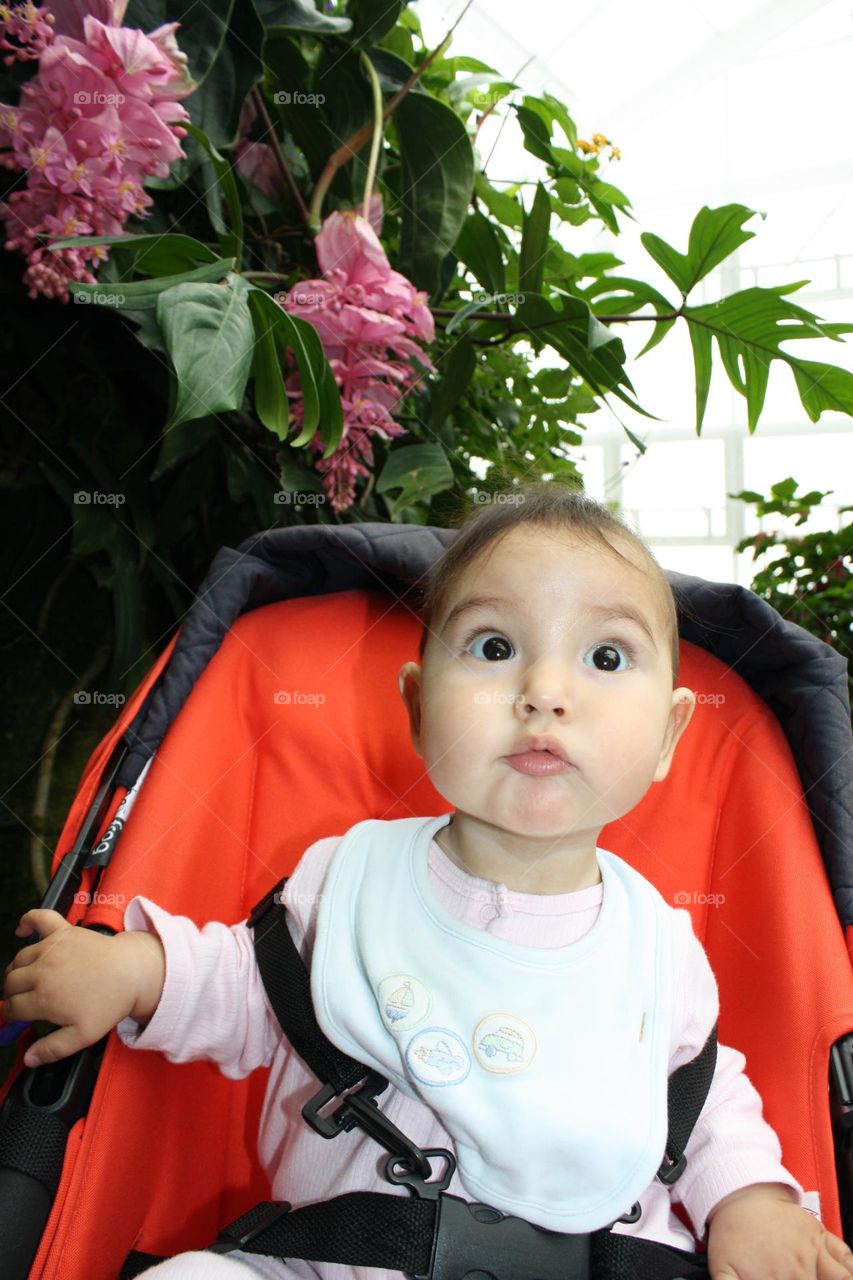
{"x":540,"y":763}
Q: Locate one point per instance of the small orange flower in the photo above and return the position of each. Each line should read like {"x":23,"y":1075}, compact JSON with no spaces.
{"x":615,"y":153}
{"x":588,"y":148}
{"x":600,"y":140}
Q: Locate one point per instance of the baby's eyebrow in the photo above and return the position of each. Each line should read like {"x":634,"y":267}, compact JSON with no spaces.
{"x":622,"y":611}
{"x":478,"y":602}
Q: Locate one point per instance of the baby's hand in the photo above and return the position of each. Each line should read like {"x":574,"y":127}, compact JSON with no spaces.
{"x":760,"y":1233}
{"x":83,"y":981}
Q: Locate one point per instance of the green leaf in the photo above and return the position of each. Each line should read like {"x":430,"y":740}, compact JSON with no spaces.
{"x":537,"y":135}
{"x":457,"y":367}
{"x":418,"y":471}
{"x":321,"y":402}
{"x":470,"y":309}
{"x":503,"y":206}
{"x":271,"y":401}
{"x":554,"y":384}
{"x":701,"y":342}
{"x":477,"y":245}
{"x":534,"y":242}
{"x":715,"y":234}
{"x":438,"y":175}
{"x":216,"y":105}
{"x":288,"y":84}
{"x":623,"y":294}
{"x":210,"y":340}
{"x":229,"y":243}
{"x":300,"y":15}
{"x":140,"y":295}
{"x":823,"y":386}
{"x":749,"y":328}
{"x":372,"y":19}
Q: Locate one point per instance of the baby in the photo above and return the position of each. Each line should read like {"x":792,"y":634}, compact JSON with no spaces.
{"x":526,"y":992}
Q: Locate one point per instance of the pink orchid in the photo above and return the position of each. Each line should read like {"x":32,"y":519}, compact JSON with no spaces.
{"x":371,"y":321}
{"x":101,"y":115}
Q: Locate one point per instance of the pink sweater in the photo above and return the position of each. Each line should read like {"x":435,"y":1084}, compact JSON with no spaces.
{"x":214,"y":1007}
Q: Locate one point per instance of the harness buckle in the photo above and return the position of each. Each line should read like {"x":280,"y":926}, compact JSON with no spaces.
{"x":480,"y":1242}
{"x":671,"y":1170}
{"x":360,"y":1108}
{"x":476,"y":1240}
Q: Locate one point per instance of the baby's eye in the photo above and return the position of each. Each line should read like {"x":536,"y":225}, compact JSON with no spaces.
{"x":496,"y":648}
{"x":608,"y":657}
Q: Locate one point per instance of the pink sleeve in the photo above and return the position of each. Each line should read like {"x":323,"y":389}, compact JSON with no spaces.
{"x":731,"y":1146}
{"x":214,"y":1005}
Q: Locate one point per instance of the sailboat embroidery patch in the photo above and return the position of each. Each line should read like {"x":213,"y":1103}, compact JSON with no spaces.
{"x":403,"y":1001}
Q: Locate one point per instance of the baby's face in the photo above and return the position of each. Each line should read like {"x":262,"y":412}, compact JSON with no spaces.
{"x":575,"y":647}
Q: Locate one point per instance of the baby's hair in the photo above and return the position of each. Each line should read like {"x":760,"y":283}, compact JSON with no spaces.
{"x":549,"y":504}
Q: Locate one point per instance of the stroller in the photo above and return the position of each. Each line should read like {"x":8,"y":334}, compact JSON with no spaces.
{"x":268,"y":722}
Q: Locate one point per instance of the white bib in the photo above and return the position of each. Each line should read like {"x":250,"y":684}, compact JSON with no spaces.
{"x":548,"y":1067}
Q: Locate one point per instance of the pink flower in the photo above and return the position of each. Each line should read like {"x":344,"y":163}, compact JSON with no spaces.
{"x":101,"y":115}
{"x":25,"y":31}
{"x":372,"y":322}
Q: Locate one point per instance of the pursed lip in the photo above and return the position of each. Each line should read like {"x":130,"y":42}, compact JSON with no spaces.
{"x":541,"y":743}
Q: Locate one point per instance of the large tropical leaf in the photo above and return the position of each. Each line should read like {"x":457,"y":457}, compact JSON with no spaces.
{"x":438,"y":176}
{"x":276,"y":331}
{"x":749,"y":328}
{"x":715,"y":234}
{"x":210,"y":339}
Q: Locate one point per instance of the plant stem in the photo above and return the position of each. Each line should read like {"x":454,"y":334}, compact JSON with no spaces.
{"x":258,"y":99}
{"x":377,"y":132}
{"x":504,"y":315}
{"x":353,"y":144}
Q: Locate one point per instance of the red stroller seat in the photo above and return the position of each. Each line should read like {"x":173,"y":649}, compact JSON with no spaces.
{"x":276,"y":720}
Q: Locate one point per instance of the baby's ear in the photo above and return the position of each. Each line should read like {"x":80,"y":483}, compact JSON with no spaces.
{"x":409,"y":684}
{"x":680,"y":714}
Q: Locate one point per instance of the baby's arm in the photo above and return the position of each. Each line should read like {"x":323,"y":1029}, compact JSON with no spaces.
{"x":83,"y":981}
{"x":735,"y":1181}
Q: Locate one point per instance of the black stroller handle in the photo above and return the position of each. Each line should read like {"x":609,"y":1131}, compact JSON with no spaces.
{"x":44,"y":1103}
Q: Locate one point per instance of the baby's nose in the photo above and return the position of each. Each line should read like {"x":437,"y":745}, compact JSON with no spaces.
{"x":542,"y":695}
